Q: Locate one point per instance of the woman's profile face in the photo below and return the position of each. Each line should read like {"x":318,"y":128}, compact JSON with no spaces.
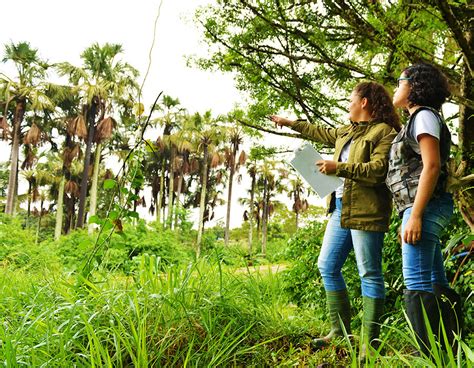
{"x":356,"y":107}
{"x":400,"y":97}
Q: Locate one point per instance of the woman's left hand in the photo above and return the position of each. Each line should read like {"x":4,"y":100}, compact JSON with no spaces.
{"x":412,"y":232}
{"x":326,"y":166}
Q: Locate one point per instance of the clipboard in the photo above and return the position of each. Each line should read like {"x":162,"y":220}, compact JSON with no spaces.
{"x":304,"y":163}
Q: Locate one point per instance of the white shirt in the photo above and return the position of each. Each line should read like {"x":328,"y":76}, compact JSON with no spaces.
{"x":426,"y":122}
{"x":343,"y":158}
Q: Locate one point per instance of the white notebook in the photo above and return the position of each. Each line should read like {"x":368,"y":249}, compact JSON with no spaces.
{"x":304,"y":162}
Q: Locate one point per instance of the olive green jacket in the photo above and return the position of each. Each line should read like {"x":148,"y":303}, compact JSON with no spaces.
{"x":366,"y":201}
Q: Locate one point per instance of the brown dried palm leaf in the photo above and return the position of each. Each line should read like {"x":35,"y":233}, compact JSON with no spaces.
{"x":242,"y":158}
{"x":76,"y":151}
{"x":77,"y":126}
{"x":215,"y":160}
{"x":35,"y":194}
{"x":160,"y":144}
{"x":186,"y":167}
{"x":30,"y":160}
{"x":178,"y":163}
{"x":108,"y":174}
{"x":33,"y":136}
{"x":71,"y":187}
{"x":194,"y":166}
{"x":104,"y":129}
{"x":4,"y":127}
{"x":305,"y":205}
{"x":270,"y":208}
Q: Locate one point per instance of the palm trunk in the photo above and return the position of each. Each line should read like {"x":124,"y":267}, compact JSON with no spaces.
{"x":178,"y":195}
{"x":160,"y":193}
{"x":59,"y":210}
{"x":39,"y":222}
{"x":94,"y":185}
{"x":252,"y":195}
{"x":202,"y":202}
{"x":91,"y":113}
{"x":171,"y":189}
{"x":229,"y":196}
{"x":264,"y":218}
{"x":28,"y":210}
{"x":12,"y":179}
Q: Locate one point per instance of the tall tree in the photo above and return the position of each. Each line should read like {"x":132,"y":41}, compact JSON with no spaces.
{"x":101,"y":81}
{"x":26,"y":90}
{"x":207,"y":136}
{"x":235,"y":136}
{"x":288,"y":54}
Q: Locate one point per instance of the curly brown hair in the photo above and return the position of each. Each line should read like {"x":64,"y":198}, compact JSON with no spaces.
{"x":429,"y":86}
{"x":380,"y":103}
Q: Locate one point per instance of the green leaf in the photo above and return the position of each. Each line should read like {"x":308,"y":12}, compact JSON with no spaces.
{"x":109,"y":183}
{"x":114,"y":215}
{"x":95,"y":220}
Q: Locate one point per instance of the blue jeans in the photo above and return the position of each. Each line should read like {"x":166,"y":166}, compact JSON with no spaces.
{"x":423,"y":262}
{"x":337,"y":244}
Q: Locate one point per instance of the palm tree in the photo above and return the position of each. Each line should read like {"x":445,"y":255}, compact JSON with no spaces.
{"x":101,"y":81}
{"x":172,"y":118}
{"x":270,"y":186}
{"x":235,"y":136}
{"x":27,"y":89}
{"x":252,"y":171}
{"x":296,"y":192}
{"x":206,"y":135}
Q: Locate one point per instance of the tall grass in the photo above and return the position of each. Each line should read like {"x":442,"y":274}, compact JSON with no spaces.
{"x":195,"y":316}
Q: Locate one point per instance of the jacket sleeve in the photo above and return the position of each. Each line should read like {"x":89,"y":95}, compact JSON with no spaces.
{"x":314,"y":132}
{"x":370,"y":173}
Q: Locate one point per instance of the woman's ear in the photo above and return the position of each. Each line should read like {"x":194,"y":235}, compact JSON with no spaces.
{"x":364,"y":102}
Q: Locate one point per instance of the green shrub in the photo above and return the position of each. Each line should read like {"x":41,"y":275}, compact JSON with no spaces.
{"x":18,"y":246}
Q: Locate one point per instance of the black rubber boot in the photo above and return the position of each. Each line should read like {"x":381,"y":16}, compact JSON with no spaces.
{"x":413,"y":301}
{"x":451,"y":313}
{"x":339,"y":308}
{"x":373,"y":310}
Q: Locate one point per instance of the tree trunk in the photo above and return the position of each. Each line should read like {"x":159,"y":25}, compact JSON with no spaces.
{"x":178,"y":195}
{"x":252,"y":195}
{"x":465,"y":196}
{"x":39,"y":222}
{"x":264,"y":218}
{"x":91,"y":113}
{"x":160,"y":193}
{"x":28,"y":210}
{"x":59,"y":209}
{"x":94,"y":185}
{"x":202,"y":203}
{"x":229,"y":195}
{"x":171,"y":189}
{"x":12,"y":179}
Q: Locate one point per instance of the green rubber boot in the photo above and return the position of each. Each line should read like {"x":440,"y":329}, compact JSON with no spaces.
{"x":373,"y":310}
{"x":339,"y":308}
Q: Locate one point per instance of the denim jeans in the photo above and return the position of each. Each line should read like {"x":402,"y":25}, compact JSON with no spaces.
{"x":337,"y":244}
{"x":423,"y":261}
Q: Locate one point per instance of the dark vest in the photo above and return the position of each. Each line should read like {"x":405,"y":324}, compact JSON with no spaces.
{"x":405,"y":165}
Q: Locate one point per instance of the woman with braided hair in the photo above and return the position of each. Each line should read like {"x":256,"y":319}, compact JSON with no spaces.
{"x":360,"y":209}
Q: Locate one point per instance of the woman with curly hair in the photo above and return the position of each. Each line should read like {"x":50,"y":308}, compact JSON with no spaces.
{"x":360,"y":208}
{"x":417,"y":178}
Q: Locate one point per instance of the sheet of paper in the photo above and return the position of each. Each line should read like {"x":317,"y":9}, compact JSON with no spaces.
{"x":304,"y":162}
